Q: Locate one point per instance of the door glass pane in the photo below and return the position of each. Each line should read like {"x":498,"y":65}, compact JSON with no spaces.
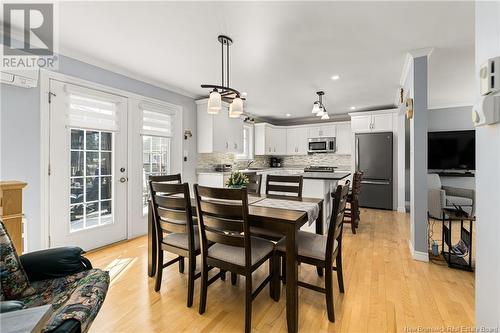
{"x":92,"y":140}
{"x":91,"y":178}
{"x":155,"y":161}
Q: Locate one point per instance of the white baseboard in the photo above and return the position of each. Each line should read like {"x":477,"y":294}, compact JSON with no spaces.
{"x":401,"y":210}
{"x":417,"y":255}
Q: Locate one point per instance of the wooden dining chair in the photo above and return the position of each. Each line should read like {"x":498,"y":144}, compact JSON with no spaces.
{"x":175,"y":178}
{"x":254,"y":183}
{"x":284,"y":185}
{"x":223,"y":220}
{"x":352,"y":213}
{"x":323,"y":250}
{"x":175,"y":230}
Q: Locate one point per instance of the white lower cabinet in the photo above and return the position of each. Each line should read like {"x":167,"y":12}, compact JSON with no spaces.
{"x":215,"y":179}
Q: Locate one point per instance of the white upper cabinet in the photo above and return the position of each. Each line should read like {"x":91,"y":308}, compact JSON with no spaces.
{"x":344,"y":138}
{"x":296,"y":140}
{"x":218,"y":133}
{"x":270,"y":140}
{"x":327,"y":130}
{"x":374,"y":122}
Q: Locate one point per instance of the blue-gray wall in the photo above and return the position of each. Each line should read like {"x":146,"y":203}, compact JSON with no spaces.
{"x":20,"y":132}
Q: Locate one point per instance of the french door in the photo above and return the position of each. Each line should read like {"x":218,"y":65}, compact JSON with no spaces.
{"x":88,"y":166}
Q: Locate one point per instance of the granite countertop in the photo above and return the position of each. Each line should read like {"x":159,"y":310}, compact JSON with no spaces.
{"x":326,"y":175}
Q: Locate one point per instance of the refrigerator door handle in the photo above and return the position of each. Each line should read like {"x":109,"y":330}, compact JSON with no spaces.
{"x":376,"y":182}
{"x":357,"y":154}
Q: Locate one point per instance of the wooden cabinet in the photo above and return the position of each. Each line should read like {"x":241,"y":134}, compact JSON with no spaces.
{"x":374,"y":122}
{"x":344,"y":138}
{"x":11,"y":211}
{"x":296,"y":140}
{"x":322,"y":131}
{"x":218,"y":133}
{"x":270,"y":140}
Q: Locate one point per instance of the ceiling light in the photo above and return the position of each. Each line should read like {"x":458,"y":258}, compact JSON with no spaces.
{"x":214,"y":102}
{"x":335,"y":77}
{"x":353,"y":108}
{"x":223,"y":92}
{"x":236,"y":108}
{"x":316,"y":107}
{"x":244,"y":94}
{"x":288,"y":115}
{"x":325,"y":116}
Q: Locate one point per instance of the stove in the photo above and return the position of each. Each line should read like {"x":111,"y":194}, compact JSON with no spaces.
{"x":319,"y":168}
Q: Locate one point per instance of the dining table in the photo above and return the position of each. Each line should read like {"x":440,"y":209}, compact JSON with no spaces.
{"x":284,"y":221}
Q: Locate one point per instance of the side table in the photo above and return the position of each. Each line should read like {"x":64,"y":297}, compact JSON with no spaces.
{"x":454,"y":261}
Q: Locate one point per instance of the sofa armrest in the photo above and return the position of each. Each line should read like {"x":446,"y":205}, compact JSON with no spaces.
{"x":460,"y":192}
{"x":8,"y":306}
{"x":54,"y":263}
{"x":436,"y":201}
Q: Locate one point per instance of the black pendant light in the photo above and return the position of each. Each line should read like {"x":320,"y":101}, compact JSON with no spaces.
{"x":223,"y":92}
{"x":318,"y":107}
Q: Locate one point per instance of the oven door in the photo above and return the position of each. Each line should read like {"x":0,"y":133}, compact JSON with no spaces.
{"x":318,"y":146}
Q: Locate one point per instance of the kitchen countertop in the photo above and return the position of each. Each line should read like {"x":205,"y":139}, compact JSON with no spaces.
{"x":340,"y":170}
{"x":326,"y":175}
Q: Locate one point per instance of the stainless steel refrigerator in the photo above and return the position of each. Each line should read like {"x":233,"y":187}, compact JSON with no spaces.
{"x":374,"y":158}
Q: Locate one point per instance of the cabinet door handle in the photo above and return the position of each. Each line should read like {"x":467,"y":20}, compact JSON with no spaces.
{"x":235,"y":146}
{"x":227,"y":144}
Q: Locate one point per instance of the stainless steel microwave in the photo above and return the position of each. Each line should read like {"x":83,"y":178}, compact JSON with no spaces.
{"x":321,"y":145}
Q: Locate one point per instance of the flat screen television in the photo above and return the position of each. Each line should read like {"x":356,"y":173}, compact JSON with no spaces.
{"x":454,"y":150}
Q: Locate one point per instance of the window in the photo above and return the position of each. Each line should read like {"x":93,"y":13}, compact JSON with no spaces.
{"x":156,"y":146}
{"x":247,"y":153}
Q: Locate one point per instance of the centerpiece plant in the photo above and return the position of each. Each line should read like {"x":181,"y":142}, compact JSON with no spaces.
{"x":237,"y":180}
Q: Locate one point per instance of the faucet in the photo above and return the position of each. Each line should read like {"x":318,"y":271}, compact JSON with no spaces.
{"x":250,"y":163}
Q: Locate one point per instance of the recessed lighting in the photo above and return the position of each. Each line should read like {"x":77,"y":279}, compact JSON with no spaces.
{"x":288,"y":115}
{"x":353,"y":108}
{"x":244,"y":94}
{"x":335,"y":77}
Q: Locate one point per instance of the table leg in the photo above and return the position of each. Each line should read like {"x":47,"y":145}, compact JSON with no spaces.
{"x":151,"y":243}
{"x":292,"y":295}
{"x":320,"y":223}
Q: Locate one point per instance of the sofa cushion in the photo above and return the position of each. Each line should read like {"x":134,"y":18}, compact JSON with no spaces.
{"x":459,"y":201}
{"x":78,"y":296}
{"x":13,"y":278}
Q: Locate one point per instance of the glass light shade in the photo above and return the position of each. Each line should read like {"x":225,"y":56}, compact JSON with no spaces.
{"x":320,"y":112}
{"x":316,"y":108}
{"x":236,"y":108}
{"x":325,"y":116}
{"x":214,"y":103}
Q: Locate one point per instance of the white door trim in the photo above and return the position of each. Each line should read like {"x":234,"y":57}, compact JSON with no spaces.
{"x":133,"y":100}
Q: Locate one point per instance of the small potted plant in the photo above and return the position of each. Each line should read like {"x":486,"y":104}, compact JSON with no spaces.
{"x":237,"y":180}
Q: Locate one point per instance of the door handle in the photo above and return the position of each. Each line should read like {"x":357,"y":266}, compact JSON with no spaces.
{"x":123,"y":179}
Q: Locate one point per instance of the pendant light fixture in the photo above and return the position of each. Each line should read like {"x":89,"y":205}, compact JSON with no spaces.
{"x":318,"y":107}
{"x":224,"y":93}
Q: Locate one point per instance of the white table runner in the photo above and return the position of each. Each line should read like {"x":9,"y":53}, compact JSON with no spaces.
{"x":310,"y":208}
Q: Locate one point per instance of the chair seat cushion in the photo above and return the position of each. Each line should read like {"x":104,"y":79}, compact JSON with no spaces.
{"x":78,"y":296}
{"x":459,"y":201}
{"x":266,"y":234}
{"x":236,"y":255}
{"x":180,"y":240}
{"x":309,"y":245}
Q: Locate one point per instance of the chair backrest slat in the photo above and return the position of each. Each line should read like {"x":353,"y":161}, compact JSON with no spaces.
{"x":223,"y":217}
{"x":254,"y":183}
{"x":337,"y":219}
{"x":171,"y":205}
{"x":284,"y":185}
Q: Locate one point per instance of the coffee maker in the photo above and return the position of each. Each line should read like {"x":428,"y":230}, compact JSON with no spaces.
{"x":275,"y":162}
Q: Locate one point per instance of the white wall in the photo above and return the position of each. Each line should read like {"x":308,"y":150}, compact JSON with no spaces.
{"x":487,"y":180}
{"x":20,"y":132}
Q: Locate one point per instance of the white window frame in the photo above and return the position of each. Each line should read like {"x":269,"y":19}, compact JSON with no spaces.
{"x":134,"y":128}
{"x":248,"y":143}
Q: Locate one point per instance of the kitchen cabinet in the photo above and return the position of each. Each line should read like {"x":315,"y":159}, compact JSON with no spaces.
{"x":322,"y":131}
{"x":375,"y":122}
{"x":344,"y":138}
{"x":270,"y":140}
{"x":218,"y":133}
{"x":296,"y":140}
{"x":213,"y":179}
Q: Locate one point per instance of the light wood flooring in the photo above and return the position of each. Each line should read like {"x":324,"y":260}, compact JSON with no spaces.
{"x":385,"y":291}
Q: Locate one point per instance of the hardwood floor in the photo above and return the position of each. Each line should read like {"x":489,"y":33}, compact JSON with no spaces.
{"x":385,"y":291}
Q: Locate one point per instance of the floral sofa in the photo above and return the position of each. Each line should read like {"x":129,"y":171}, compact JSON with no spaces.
{"x":61,"y":277}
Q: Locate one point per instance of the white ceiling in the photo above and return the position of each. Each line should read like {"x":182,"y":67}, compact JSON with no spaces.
{"x":283,"y":51}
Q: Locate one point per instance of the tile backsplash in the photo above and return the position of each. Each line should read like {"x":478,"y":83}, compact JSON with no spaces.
{"x":207,"y":161}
